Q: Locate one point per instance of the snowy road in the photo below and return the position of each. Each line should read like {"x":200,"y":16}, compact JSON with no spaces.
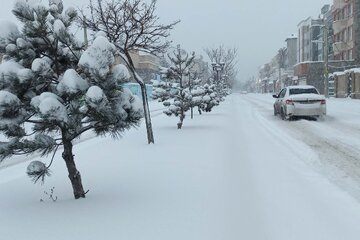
{"x":281,"y":196}
{"x":235,"y":173}
{"x":335,"y":140}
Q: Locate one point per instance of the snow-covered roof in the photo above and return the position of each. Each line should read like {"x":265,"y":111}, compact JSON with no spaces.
{"x":339,"y":73}
{"x":300,"y":86}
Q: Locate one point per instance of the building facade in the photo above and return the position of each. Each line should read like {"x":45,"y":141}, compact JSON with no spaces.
{"x":344,"y":29}
{"x":309,"y":38}
{"x":291,"y":51}
{"x":146,"y":65}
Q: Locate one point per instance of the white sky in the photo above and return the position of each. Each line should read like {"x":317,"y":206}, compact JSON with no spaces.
{"x":257,"y":28}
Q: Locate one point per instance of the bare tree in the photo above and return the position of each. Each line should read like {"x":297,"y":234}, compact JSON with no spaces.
{"x":229,"y":57}
{"x":281,"y":59}
{"x":131,"y":25}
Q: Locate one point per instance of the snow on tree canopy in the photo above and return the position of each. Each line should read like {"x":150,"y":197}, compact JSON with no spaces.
{"x":9,"y":108}
{"x":99,"y":57}
{"x":21,"y":43}
{"x":59,"y":27}
{"x":53,"y":109}
{"x":9,"y":69}
{"x":100,"y":34}
{"x":35,"y":167}
{"x":95,"y":96}
{"x":7,"y":29}
{"x":7,"y":98}
{"x":40,"y":65}
{"x":10,"y":48}
{"x":28,"y":4}
{"x":131,"y":101}
{"x":120,"y":72}
{"x":49,"y":105}
{"x":56,"y":5}
{"x":37,"y":170}
{"x":72,"y":82}
{"x":24,"y":75}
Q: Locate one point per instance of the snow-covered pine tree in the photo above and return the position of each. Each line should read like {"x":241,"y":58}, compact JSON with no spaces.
{"x":52,"y":91}
{"x":180,"y":64}
{"x":210,"y":98}
{"x":162,"y":89}
{"x":197,"y":93}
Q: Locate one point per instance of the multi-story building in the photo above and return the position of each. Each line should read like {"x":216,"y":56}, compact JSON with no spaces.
{"x":309,"y":32}
{"x":345,"y":30}
{"x":146,"y":65}
{"x":326,"y":35}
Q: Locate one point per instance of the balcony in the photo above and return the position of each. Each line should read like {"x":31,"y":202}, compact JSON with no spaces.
{"x":340,"y":25}
{"x":339,"y":4}
{"x":340,"y":47}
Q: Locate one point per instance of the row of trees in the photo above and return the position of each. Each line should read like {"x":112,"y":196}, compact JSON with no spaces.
{"x":54,"y":88}
{"x":184,"y":88}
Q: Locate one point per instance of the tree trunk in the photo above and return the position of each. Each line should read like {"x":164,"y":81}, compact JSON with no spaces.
{"x":149,"y":130}
{"x":182,"y":116}
{"x":131,"y":66}
{"x":74,"y":174}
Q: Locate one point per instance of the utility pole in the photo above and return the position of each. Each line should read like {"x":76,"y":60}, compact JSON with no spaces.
{"x":326,"y":62}
{"x":86,"y":42}
{"x":190,"y":88}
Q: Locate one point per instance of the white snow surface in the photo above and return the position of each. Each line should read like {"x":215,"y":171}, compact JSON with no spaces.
{"x":235,"y":173}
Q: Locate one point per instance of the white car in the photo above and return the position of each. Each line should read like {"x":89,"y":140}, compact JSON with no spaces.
{"x":301,"y":101}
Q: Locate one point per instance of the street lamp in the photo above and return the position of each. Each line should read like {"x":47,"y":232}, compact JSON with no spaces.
{"x":218,"y":67}
{"x":325,"y":56}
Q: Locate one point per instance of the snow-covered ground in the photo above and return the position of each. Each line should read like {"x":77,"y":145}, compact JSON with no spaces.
{"x":235,"y":173}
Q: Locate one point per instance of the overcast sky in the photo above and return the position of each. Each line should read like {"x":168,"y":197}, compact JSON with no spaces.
{"x":257,"y":28}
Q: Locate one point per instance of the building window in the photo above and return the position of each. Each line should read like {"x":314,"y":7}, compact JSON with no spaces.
{"x":350,"y":10}
{"x":350,"y":37}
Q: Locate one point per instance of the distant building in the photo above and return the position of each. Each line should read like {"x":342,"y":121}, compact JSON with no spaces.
{"x":291,"y":51}
{"x":146,"y":65}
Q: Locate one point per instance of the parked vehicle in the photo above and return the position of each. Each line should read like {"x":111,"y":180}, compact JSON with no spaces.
{"x":299,"y":101}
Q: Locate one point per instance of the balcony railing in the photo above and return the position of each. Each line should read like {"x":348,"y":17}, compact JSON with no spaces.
{"x":339,"y":4}
{"x":340,"y":47}
{"x":340,"y":25}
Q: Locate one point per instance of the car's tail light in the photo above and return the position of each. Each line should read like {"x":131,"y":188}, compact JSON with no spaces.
{"x":323,"y":101}
{"x":289,"y":102}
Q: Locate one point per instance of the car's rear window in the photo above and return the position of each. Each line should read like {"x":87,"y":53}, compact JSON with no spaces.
{"x":294,"y":91}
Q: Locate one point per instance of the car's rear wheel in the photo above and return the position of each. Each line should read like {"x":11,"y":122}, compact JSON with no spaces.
{"x":284,"y":116}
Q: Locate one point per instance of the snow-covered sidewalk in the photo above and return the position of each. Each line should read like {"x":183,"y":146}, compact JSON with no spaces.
{"x":230,"y":174}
